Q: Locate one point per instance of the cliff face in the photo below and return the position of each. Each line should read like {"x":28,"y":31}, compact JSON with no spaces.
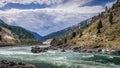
{"x":101,"y":31}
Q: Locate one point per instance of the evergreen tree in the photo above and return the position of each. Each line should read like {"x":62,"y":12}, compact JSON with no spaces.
{"x":99,"y":15}
{"x":74,"y":34}
{"x":98,"y":31}
{"x":111,"y":18}
{"x":106,"y":8}
{"x":99,"y":26}
{"x":0,"y":28}
{"x":80,"y":34}
{"x":65,"y":40}
{"x":0,"y":37}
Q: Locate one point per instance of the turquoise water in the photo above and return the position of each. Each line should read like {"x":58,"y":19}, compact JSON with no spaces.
{"x":58,"y":59}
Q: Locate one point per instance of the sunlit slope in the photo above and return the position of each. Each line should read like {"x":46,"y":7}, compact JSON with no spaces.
{"x":102,"y":31}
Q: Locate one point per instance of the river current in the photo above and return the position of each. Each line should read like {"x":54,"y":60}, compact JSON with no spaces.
{"x":58,"y":59}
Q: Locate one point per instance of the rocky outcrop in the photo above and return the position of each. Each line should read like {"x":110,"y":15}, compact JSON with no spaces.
{"x":11,"y":64}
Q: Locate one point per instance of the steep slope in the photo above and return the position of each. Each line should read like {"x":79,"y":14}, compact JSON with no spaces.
{"x":64,"y":32}
{"x":16,"y":35}
{"x":18,"y":32}
{"x":102,"y":31}
{"x":6,"y":35}
{"x":107,"y":36}
{"x":56,"y":34}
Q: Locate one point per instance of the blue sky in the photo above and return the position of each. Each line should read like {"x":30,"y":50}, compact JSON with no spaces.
{"x":47,"y":16}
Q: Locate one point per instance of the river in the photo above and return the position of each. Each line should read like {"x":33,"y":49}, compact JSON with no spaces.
{"x":58,"y":59}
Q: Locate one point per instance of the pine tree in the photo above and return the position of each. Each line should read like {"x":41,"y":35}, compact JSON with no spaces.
{"x":0,"y":37}
{"x":111,"y":18}
{"x":98,"y":31}
{"x":0,"y":28}
{"x":81,"y":33}
{"x":106,"y":8}
{"x":65,"y":40}
{"x":74,"y":34}
{"x":99,"y":26}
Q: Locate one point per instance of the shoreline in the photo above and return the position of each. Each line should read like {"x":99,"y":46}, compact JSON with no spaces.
{"x":73,"y":48}
{"x":77,"y":49}
{"x":15,"y":45}
{"x":65,"y":47}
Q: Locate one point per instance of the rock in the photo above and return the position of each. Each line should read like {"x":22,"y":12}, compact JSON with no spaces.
{"x":90,"y":51}
{"x":99,"y":50}
{"x":53,"y":48}
{"x":11,"y":64}
{"x":117,"y":52}
{"x":63,"y":50}
{"x":4,"y":62}
{"x":20,"y":63}
{"x":37,"y":49}
{"x":77,"y":49}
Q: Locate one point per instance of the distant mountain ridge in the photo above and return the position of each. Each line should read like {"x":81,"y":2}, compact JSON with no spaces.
{"x":37,"y":36}
{"x":64,"y":31}
{"x":20,"y":32}
{"x":10,"y":33}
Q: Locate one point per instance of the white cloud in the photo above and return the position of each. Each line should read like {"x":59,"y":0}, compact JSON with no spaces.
{"x":47,"y":2}
{"x":47,"y":20}
{"x":109,"y":4}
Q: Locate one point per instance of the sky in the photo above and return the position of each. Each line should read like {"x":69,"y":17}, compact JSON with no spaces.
{"x":47,"y":16}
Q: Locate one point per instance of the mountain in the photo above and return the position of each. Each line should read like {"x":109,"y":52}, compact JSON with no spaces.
{"x":14,"y":34}
{"x":6,"y":35}
{"x":101,"y":31}
{"x":20,"y":32}
{"x":37,"y":36}
{"x":63,"y":32}
{"x":56,"y":34}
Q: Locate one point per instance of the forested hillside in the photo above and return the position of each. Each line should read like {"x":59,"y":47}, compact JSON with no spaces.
{"x":15,"y":35}
{"x":18,"y":31}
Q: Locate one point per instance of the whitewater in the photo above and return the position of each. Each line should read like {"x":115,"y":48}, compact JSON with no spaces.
{"x":58,"y":59}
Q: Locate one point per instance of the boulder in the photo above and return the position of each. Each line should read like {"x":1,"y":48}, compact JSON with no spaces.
{"x":37,"y":49}
{"x":63,"y":50}
{"x":117,"y":52}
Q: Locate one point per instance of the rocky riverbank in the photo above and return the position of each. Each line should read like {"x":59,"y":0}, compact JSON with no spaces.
{"x":97,"y":50}
{"x":75,"y":49}
{"x":11,"y":64}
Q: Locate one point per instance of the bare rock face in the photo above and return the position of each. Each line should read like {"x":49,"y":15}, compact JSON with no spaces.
{"x":11,"y":64}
